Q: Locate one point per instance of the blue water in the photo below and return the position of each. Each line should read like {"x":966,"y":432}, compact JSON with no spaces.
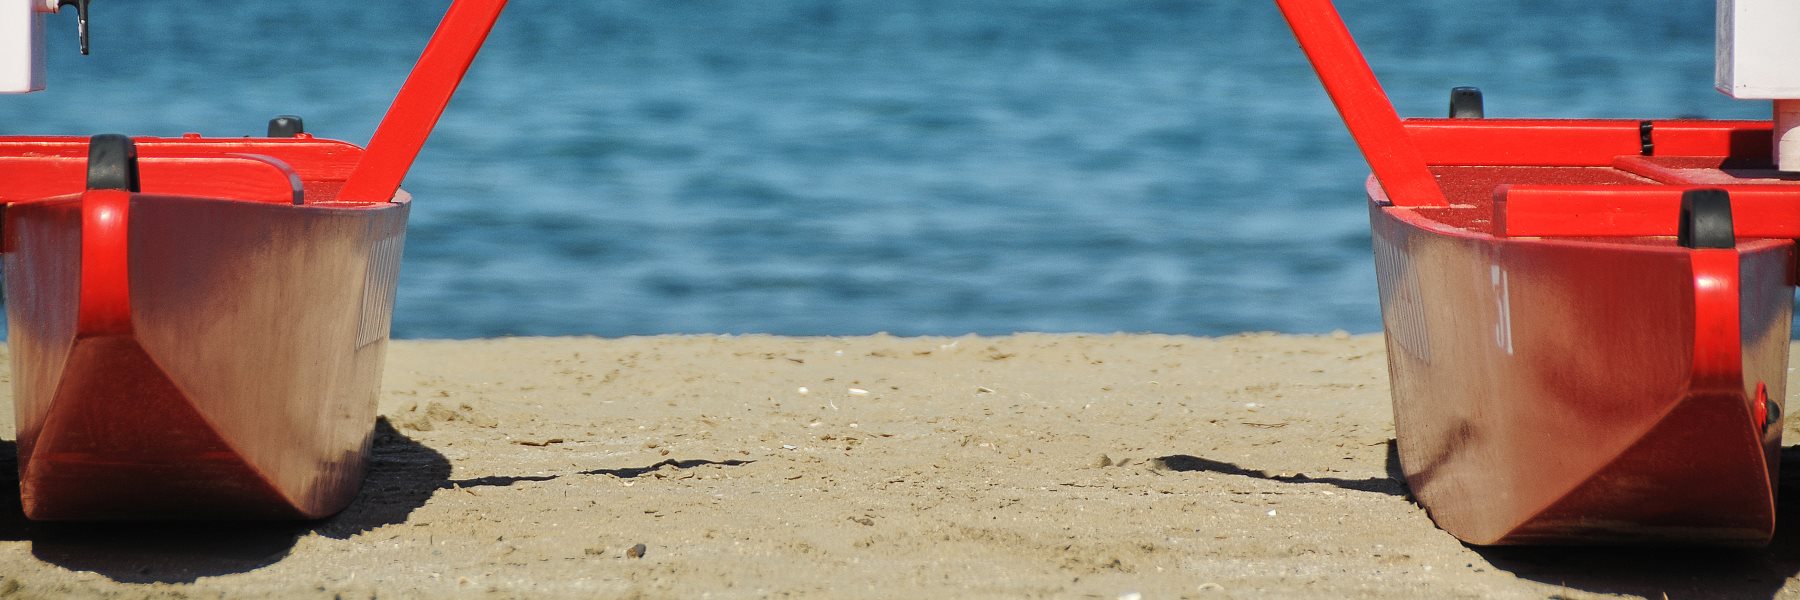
{"x":620,"y":167}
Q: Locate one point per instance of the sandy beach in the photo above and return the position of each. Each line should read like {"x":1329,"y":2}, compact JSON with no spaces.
{"x":1043,"y":466}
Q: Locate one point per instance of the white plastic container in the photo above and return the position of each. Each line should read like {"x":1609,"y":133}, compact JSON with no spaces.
{"x":21,"y":46}
{"x":1758,"y":44}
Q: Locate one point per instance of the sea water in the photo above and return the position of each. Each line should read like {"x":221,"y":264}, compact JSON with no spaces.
{"x":618,"y":167}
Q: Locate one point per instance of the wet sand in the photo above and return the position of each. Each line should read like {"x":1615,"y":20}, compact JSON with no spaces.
{"x":1053,"y":466}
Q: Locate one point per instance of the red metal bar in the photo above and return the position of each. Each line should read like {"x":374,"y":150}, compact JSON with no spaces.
{"x":421,"y":101}
{"x":1748,"y":140}
{"x":1579,"y":142}
{"x":1359,"y":100}
{"x":1524,"y":142}
{"x":310,"y":158}
{"x":246,"y":177}
{"x":1758,"y":211}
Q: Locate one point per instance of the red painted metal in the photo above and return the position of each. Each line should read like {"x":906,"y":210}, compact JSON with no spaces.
{"x":1758,"y":211}
{"x":43,"y":167}
{"x":1563,"y":372}
{"x":1579,"y":142}
{"x":1523,"y":142}
{"x":105,"y":302}
{"x":243,"y":176}
{"x":209,"y":345}
{"x":1360,"y":101}
{"x":422,"y":100}
{"x":1744,"y":140}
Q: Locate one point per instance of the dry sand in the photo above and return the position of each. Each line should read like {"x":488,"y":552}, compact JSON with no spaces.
{"x":750,"y":467}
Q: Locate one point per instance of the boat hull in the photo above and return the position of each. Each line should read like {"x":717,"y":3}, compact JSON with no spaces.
{"x":1557,"y":391}
{"x":181,"y":357}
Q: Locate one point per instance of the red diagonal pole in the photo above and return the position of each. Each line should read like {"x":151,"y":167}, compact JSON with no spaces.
{"x":421,"y":101}
{"x":1365,"y":108}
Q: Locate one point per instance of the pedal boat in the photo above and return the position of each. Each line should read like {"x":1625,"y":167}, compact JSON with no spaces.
{"x":197,"y":325}
{"x":1587,"y":321}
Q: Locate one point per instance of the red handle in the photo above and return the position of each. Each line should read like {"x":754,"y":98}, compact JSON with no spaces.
{"x":1365,"y":108}
{"x":421,"y":101}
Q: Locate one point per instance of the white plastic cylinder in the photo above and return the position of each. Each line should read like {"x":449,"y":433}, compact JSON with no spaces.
{"x":1787,"y":135}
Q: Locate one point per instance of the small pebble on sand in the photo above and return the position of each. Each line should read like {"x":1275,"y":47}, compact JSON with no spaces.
{"x":858,"y":392}
{"x":636,"y":551}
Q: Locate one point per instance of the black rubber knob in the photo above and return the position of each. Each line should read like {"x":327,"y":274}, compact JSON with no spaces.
{"x":286,"y":126}
{"x":112,"y":163}
{"x":1705,"y":220}
{"x":1465,"y":103}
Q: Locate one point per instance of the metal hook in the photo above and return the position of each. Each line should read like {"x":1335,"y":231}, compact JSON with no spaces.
{"x":81,"y":20}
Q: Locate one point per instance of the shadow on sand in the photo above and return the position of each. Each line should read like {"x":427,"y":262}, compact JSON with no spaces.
{"x":1394,"y":484}
{"x":403,"y":474}
{"x":625,"y":473}
{"x":1697,"y":572}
